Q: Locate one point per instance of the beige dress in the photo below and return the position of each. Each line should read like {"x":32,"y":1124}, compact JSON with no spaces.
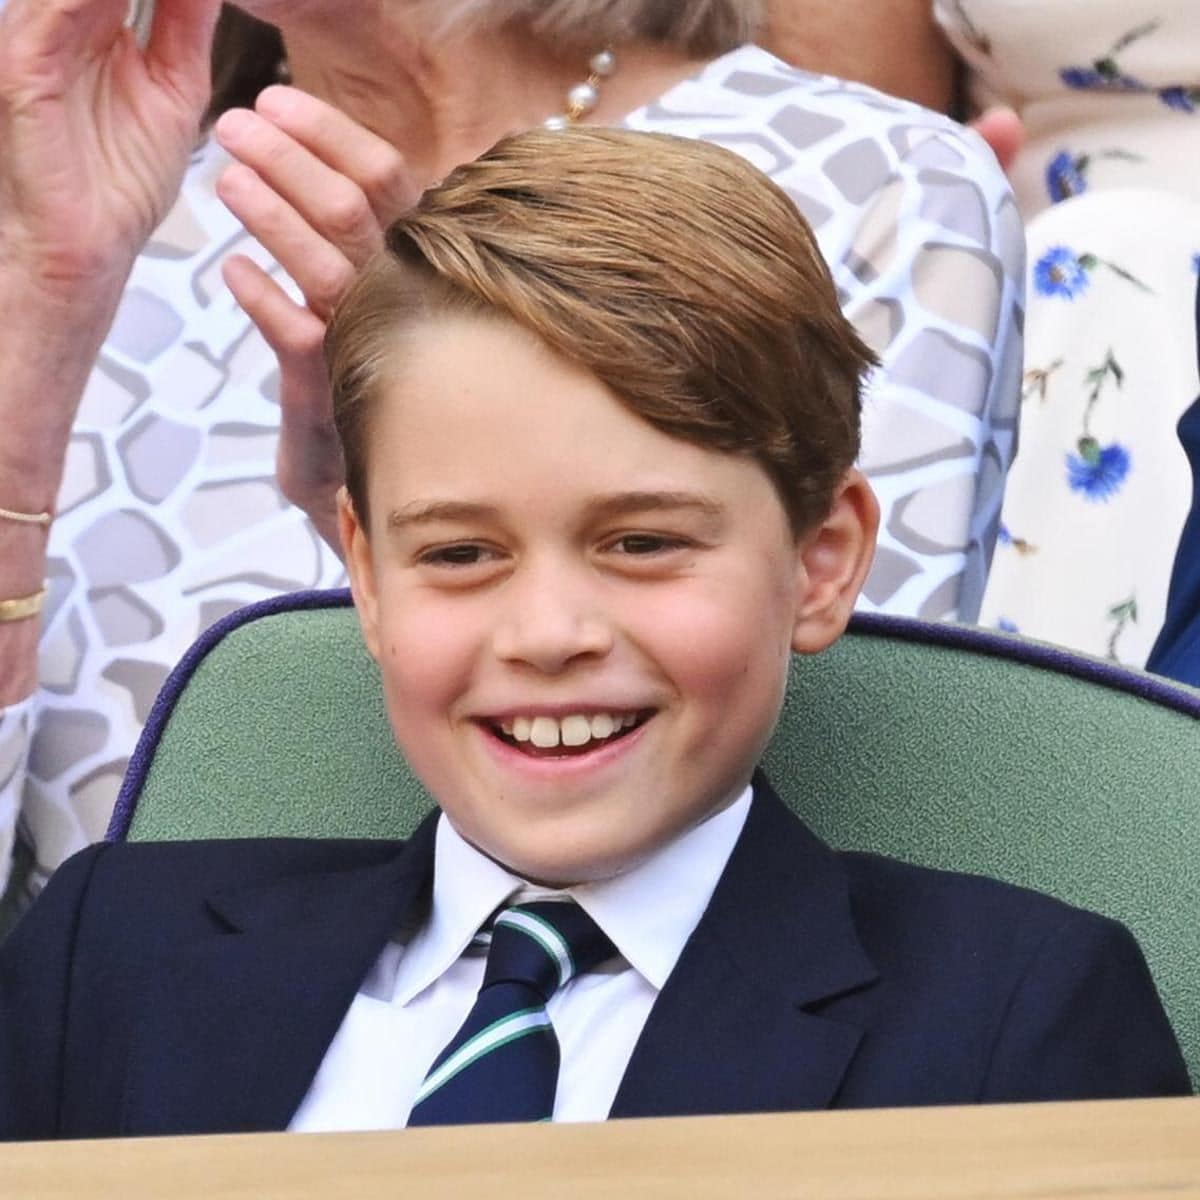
{"x":1109,"y":183}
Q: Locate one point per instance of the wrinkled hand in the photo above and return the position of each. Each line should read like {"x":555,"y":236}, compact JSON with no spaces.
{"x":317,"y":190}
{"x":95,"y":133}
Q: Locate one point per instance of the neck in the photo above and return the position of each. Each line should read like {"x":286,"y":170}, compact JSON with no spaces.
{"x":444,"y":99}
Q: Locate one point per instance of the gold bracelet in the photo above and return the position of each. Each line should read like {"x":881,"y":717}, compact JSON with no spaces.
{"x":23,"y":518}
{"x":22,"y":607}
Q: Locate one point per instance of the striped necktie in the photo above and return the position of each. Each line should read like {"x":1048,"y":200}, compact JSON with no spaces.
{"x":502,"y":1065}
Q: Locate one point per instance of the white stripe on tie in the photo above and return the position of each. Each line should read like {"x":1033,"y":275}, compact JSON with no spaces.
{"x":545,"y":935}
{"x":507,"y":1029}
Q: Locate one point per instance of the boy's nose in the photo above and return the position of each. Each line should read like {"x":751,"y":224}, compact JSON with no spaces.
{"x":550,"y":620}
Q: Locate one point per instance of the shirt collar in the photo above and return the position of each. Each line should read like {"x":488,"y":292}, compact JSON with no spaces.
{"x":467,"y":888}
{"x":648,"y":912}
{"x":651,"y":910}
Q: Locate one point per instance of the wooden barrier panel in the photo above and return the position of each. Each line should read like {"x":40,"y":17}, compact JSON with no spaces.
{"x":1127,"y":1149}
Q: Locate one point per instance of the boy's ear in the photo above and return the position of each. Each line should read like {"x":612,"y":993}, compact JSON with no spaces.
{"x":833,"y":564}
{"x":356,"y":550}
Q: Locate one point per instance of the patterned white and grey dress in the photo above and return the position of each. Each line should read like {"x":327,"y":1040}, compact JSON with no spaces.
{"x":170,"y":517}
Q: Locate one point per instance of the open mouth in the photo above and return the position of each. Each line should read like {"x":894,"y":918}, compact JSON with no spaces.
{"x":567,"y":737}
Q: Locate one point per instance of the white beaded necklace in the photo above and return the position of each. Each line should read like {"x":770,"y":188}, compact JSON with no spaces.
{"x":583,"y":97}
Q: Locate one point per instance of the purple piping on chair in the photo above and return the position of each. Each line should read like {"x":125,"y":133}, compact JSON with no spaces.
{"x":168,"y":697}
{"x":1154,"y":688}
{"x":956,"y":637}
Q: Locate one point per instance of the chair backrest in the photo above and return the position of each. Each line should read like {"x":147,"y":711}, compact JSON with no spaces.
{"x":942,"y":745}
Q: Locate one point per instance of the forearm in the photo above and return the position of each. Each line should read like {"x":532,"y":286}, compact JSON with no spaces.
{"x":892,"y":45}
{"x":48,"y":344}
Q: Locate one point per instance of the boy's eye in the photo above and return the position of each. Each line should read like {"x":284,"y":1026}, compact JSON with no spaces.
{"x":465,"y":554}
{"x":646,"y":543}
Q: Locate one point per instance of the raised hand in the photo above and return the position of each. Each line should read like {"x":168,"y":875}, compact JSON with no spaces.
{"x":317,"y":190}
{"x":95,"y":132}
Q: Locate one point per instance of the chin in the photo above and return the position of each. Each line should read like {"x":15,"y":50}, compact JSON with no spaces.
{"x":555,"y":869}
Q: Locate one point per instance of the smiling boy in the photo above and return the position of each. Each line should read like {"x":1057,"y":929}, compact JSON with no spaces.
{"x":584,"y":623}
{"x":599,"y":410}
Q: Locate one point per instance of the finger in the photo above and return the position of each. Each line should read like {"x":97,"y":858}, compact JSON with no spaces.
{"x":180,"y":45}
{"x":309,"y":457}
{"x":1004,"y":132}
{"x":293,"y":332}
{"x":319,"y":268}
{"x":390,"y":184}
{"x":327,"y":200}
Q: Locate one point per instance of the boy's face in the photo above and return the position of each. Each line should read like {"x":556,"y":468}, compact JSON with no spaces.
{"x":583,"y":625}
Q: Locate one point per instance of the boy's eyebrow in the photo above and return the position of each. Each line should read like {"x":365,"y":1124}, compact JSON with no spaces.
{"x":421,"y":512}
{"x":628,"y":503}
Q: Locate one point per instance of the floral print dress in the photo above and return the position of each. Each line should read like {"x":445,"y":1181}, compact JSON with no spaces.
{"x":1109,"y":185}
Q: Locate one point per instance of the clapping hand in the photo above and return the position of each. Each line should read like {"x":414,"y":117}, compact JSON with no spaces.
{"x":317,"y":190}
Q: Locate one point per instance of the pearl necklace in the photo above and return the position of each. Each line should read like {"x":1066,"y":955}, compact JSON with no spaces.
{"x":583,"y":97}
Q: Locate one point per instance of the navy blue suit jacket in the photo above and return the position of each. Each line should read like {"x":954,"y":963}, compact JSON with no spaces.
{"x":1177,"y":651}
{"x":194,"y":987}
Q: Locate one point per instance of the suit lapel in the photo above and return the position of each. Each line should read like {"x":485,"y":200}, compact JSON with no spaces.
{"x":733,"y":1029}
{"x":240,"y":1019}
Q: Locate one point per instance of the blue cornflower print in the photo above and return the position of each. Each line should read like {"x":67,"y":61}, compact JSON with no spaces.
{"x":1182,"y":99}
{"x":1098,"y":472}
{"x":1067,"y":173}
{"x":1061,"y":272}
{"x":1006,"y":537}
{"x":1004,"y":625}
{"x":1081,"y":78}
{"x":1105,"y":74}
{"x":1065,"y":177}
{"x":1104,"y":79}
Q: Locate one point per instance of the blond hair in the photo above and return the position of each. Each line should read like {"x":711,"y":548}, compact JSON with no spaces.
{"x":699,"y":28}
{"x":673,"y":270}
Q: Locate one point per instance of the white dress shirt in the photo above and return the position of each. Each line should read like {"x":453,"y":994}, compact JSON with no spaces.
{"x":418,"y":994}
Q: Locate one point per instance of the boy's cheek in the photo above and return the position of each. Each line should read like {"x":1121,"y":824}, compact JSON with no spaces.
{"x":422,"y":654}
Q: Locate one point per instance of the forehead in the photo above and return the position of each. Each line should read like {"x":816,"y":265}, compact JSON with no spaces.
{"x":476,"y":405}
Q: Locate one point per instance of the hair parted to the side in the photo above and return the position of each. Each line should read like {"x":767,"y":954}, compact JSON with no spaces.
{"x":673,"y":270}
{"x":699,"y":28}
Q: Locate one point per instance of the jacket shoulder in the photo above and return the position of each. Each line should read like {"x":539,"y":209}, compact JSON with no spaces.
{"x":954,"y":900}
{"x":1039,"y":999}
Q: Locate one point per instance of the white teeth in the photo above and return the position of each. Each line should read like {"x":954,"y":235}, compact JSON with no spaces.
{"x":576,"y":731}
{"x":544,"y":733}
{"x":602,"y":726}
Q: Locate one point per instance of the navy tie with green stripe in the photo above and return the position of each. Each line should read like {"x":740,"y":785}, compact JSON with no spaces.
{"x":502,"y":1065}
